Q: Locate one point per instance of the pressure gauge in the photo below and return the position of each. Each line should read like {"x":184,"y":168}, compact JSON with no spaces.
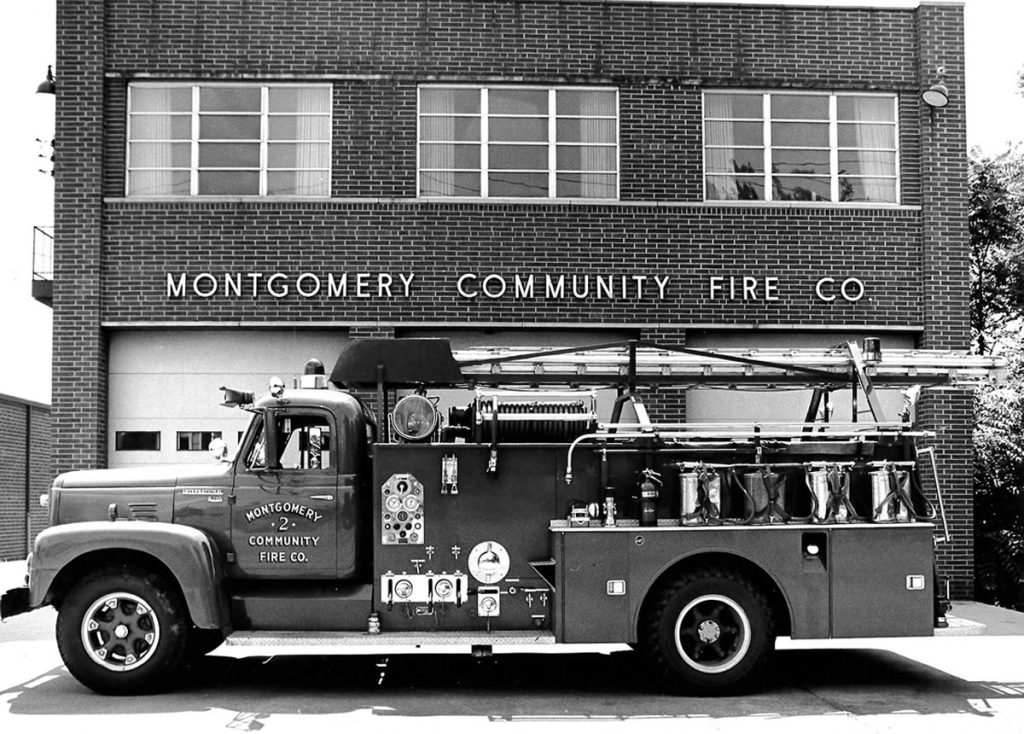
{"x":393,"y":503}
{"x":403,"y":589}
{"x":488,"y":562}
{"x":412,"y":503}
{"x":443,"y":589}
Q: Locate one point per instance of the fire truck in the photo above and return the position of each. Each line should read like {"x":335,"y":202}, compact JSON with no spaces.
{"x":354,"y":514}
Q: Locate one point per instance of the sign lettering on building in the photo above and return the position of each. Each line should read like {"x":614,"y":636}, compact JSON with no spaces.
{"x":499,"y":286}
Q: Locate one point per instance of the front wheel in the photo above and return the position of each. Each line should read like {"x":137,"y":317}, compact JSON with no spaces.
{"x":123,"y":630}
{"x":708,"y":632}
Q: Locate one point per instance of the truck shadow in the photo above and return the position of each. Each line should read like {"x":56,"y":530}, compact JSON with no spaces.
{"x":521,"y":687}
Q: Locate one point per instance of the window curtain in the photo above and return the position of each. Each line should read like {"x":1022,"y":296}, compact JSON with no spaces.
{"x":720,"y":160}
{"x":310,"y":153}
{"x":870,"y":138}
{"x":593,"y":185}
{"x":159,"y":154}
{"x":439,"y":155}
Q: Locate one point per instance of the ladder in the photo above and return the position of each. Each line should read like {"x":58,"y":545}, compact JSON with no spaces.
{"x":628,"y":363}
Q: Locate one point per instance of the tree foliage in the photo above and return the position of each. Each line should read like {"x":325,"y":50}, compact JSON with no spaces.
{"x":997,"y":249}
{"x":997,"y":326}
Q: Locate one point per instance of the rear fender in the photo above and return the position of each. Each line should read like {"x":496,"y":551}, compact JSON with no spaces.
{"x":186,"y":552}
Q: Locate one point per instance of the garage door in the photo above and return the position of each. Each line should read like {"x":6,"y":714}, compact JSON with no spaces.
{"x":164,"y":404}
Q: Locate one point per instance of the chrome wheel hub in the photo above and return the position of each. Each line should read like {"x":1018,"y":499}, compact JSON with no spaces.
{"x":712,"y":634}
{"x":120,"y":631}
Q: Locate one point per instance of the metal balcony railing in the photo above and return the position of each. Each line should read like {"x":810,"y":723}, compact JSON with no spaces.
{"x":42,"y":264}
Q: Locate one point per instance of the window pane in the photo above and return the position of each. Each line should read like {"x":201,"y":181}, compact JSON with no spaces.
{"x":868,"y":189}
{"x":586,"y":185}
{"x":449,"y":128}
{"x":161,"y":99}
{"x":297,"y":155}
{"x":853,"y":135}
{"x":158,"y":183}
{"x":137,"y":440}
{"x":585,"y":103}
{"x":586,"y":158}
{"x":299,"y":99}
{"x":450,"y":101}
{"x":298,"y":183}
{"x":734,"y":133}
{"x":742,"y":106}
{"x":867,"y":163}
{"x":735,"y":188}
{"x":792,"y":188}
{"x":518,"y":157}
{"x":517,"y":101}
{"x":160,"y":155}
{"x":229,"y":127}
{"x":229,"y":183}
{"x":866,"y":109}
{"x":450,"y":156}
{"x":518,"y":184}
{"x":299,"y":127}
{"x":804,"y":134}
{"x":160,"y":127}
{"x":449,"y":183}
{"x":229,"y":99}
{"x":735,"y":160}
{"x":518,"y":128}
{"x":799,"y":106}
{"x":800,"y":161}
{"x":229,"y":155}
{"x":586,"y":131}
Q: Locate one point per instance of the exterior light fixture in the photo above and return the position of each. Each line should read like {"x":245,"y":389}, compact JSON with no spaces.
{"x":50,"y":85}
{"x":937,"y":95}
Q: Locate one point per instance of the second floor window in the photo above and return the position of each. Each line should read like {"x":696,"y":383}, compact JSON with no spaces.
{"x":229,"y":140}
{"x":518,"y":142}
{"x":801,"y":146}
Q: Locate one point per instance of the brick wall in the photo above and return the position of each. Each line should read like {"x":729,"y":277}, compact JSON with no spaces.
{"x":25,"y":464}
{"x":111,"y":258}
{"x":79,"y":344}
{"x":437,"y":242}
{"x":950,"y":414}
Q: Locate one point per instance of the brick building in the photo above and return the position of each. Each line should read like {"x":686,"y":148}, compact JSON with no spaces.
{"x":25,"y":473}
{"x":243,"y":185}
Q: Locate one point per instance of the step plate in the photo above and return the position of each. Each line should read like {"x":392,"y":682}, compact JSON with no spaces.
{"x":320,"y":640}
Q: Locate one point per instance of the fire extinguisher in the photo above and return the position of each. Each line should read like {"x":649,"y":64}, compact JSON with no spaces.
{"x":649,"y":497}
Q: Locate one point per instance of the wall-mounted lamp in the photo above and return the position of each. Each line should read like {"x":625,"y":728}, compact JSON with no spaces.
{"x":50,"y":85}
{"x":937,"y":95}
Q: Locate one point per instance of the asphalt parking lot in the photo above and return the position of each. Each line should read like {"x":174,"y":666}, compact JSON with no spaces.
{"x":965,"y":682}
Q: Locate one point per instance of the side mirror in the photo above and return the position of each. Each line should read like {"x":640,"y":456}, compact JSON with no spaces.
{"x":219,"y":450}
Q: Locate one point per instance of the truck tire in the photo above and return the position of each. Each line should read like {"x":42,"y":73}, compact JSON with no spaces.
{"x":708,"y":632}
{"x":123,"y":630}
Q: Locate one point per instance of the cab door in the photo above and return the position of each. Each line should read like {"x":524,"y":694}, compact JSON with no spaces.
{"x":285,"y":502}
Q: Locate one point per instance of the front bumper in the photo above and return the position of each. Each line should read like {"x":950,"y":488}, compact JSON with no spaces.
{"x":14,"y":601}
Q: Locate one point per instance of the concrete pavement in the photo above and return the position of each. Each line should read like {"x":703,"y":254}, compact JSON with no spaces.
{"x":966,"y":682}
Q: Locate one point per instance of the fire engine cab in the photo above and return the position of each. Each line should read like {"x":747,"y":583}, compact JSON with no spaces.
{"x":357,"y":512}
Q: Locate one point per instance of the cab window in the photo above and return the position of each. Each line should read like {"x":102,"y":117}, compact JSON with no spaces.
{"x":304,"y":442}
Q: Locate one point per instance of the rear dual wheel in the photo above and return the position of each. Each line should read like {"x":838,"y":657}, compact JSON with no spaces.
{"x":708,"y":632}
{"x":123,"y":630}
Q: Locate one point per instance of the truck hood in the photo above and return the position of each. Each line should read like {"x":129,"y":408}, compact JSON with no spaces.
{"x":188,"y":475}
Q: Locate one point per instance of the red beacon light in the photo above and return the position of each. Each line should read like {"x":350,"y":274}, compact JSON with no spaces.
{"x":313,"y":376}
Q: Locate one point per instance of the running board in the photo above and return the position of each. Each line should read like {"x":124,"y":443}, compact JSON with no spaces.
{"x":321,"y":640}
